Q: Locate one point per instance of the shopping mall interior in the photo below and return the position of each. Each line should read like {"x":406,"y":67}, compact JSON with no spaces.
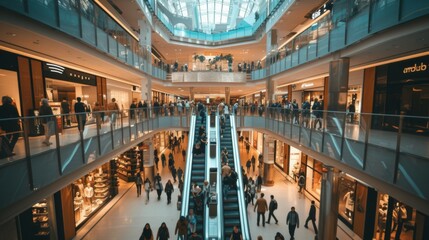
{"x":209,"y":106}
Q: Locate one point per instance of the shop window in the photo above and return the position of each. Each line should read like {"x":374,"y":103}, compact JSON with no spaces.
{"x":347,"y":195}
{"x":401,"y":217}
{"x":314,"y":177}
{"x":91,"y":192}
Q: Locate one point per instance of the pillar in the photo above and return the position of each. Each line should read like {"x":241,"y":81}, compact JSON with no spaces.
{"x":337,"y":87}
{"x":146,"y":90}
{"x":329,"y":202}
{"x":268,"y":154}
{"x":191,"y":94}
{"x":271,"y":50}
{"x":146,"y":43}
{"x":227,"y":95}
{"x":148,"y":163}
{"x":269,"y":86}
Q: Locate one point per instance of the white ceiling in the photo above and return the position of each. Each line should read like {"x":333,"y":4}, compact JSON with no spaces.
{"x":27,"y":37}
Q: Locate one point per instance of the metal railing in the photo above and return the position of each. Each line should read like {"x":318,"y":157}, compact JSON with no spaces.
{"x":35,"y":165}
{"x":391,"y":148}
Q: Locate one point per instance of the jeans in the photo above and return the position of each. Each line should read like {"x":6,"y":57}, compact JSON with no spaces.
{"x":263,"y":218}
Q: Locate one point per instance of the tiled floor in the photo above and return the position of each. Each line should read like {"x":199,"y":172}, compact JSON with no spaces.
{"x":126,"y":218}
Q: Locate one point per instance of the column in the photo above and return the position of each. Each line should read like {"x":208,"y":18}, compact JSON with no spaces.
{"x":227,"y":95}
{"x":146,"y":44}
{"x":268,"y":170}
{"x":191,"y":94}
{"x":269,"y":86}
{"x":271,"y":50}
{"x":149,"y":169}
{"x":328,"y":215}
{"x":336,"y":88}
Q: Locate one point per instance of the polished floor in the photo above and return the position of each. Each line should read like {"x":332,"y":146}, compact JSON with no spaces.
{"x":129,"y":213}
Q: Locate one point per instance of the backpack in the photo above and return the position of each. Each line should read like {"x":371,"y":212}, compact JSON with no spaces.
{"x":275,"y":204}
{"x":301,"y":180}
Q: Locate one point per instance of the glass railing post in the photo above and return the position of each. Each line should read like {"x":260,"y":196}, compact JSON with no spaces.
{"x":82,"y":143}
{"x":367,"y":121}
{"x":130,"y":121}
{"x":398,"y":147}
{"x":111,"y":132}
{"x":98,"y":126}
{"x":26,"y":130}
{"x":343,"y":135}
{"x":58,"y":147}
{"x":121,"y":114}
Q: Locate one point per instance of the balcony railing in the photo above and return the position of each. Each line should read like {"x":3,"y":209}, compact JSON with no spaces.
{"x":34,"y":164}
{"x":392,"y":148}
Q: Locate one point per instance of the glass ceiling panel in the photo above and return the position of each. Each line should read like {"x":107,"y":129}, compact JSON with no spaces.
{"x":210,"y":16}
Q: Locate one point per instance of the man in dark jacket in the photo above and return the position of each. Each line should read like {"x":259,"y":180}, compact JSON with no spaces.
{"x":80,"y":110}
{"x":312,"y":217}
{"x":271,"y":209}
{"x":11,"y":127}
{"x":292,"y":220}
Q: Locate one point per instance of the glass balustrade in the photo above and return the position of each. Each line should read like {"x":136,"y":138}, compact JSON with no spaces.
{"x":34,"y":164}
{"x":399,"y":156}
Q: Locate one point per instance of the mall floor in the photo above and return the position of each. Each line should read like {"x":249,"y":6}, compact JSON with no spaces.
{"x":128,"y":214}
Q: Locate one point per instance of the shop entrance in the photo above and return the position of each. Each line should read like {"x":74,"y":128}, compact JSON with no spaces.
{"x":62,"y":96}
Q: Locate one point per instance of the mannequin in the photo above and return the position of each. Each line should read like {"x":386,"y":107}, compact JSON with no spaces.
{"x":349,"y":197}
{"x":78,"y":201}
{"x":90,"y":179}
{"x":88,"y":194}
{"x":79,"y":185}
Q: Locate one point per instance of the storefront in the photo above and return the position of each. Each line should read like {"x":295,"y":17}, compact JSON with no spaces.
{"x":58,"y":216}
{"x":402,"y":88}
{"x":9,"y":85}
{"x":63,"y":86}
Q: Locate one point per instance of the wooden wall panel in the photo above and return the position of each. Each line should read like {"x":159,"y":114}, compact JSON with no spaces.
{"x":325,"y":93}
{"x":360,"y":205}
{"x":68,"y":212}
{"x":368,"y":90}
{"x":286,"y":158}
{"x":39,"y":89}
{"x":104,"y":89}
{"x":24,"y":81}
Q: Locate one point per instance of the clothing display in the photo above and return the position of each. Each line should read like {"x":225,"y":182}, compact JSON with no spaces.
{"x":41,"y":224}
{"x":128,"y":165}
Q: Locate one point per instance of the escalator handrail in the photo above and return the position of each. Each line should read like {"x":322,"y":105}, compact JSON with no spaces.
{"x":188,"y":169}
{"x":219,"y":184}
{"x":206,"y":176}
{"x":245,"y":231}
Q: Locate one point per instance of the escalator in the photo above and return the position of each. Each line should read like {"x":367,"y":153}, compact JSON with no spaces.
{"x":231,"y":209}
{"x":197,"y":175}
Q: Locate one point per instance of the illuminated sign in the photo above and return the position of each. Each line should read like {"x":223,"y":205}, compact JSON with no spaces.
{"x":327,"y":6}
{"x":416,"y":68}
{"x":62,"y":73}
{"x":307,"y":85}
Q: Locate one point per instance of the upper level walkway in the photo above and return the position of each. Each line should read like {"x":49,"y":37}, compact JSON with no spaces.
{"x":393,"y":161}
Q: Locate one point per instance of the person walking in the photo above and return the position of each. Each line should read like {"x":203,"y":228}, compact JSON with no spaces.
{"x":292,"y":220}
{"x":301,"y":182}
{"x":80,"y":109}
{"x":179,"y":173}
{"x":113,"y":109}
{"x":163,"y":233}
{"x":279,"y":236}
{"x":159,"y":188}
{"x":174,"y":173}
{"x":168,"y":190}
{"x":192,"y":221}
{"x":147,"y":233}
{"x":139,"y":182}
{"x":273,"y":206}
{"x":252,"y":189}
{"x":248,"y":164}
{"x":48,"y":121}
{"x":236,"y":234}
{"x":261,"y":205}
{"x":317,"y":110}
{"x":253,"y":164}
{"x":182,"y":228}
{"x":147,"y":188}
{"x":11,"y":127}
{"x":312,"y":217}
{"x":259,"y":183}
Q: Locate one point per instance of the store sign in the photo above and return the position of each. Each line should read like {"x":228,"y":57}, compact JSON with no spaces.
{"x":62,"y":73}
{"x":327,"y":6}
{"x":307,"y":85}
{"x":415,"y":68}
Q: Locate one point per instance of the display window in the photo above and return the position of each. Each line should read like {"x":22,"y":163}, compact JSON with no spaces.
{"x":314,"y":177}
{"x":91,"y":192}
{"x":279,"y":154}
{"x":9,"y":87}
{"x":354,"y":96}
{"x":294,"y":163}
{"x":401,"y":217}
{"x":347,"y":195}
{"x":42,"y":219}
